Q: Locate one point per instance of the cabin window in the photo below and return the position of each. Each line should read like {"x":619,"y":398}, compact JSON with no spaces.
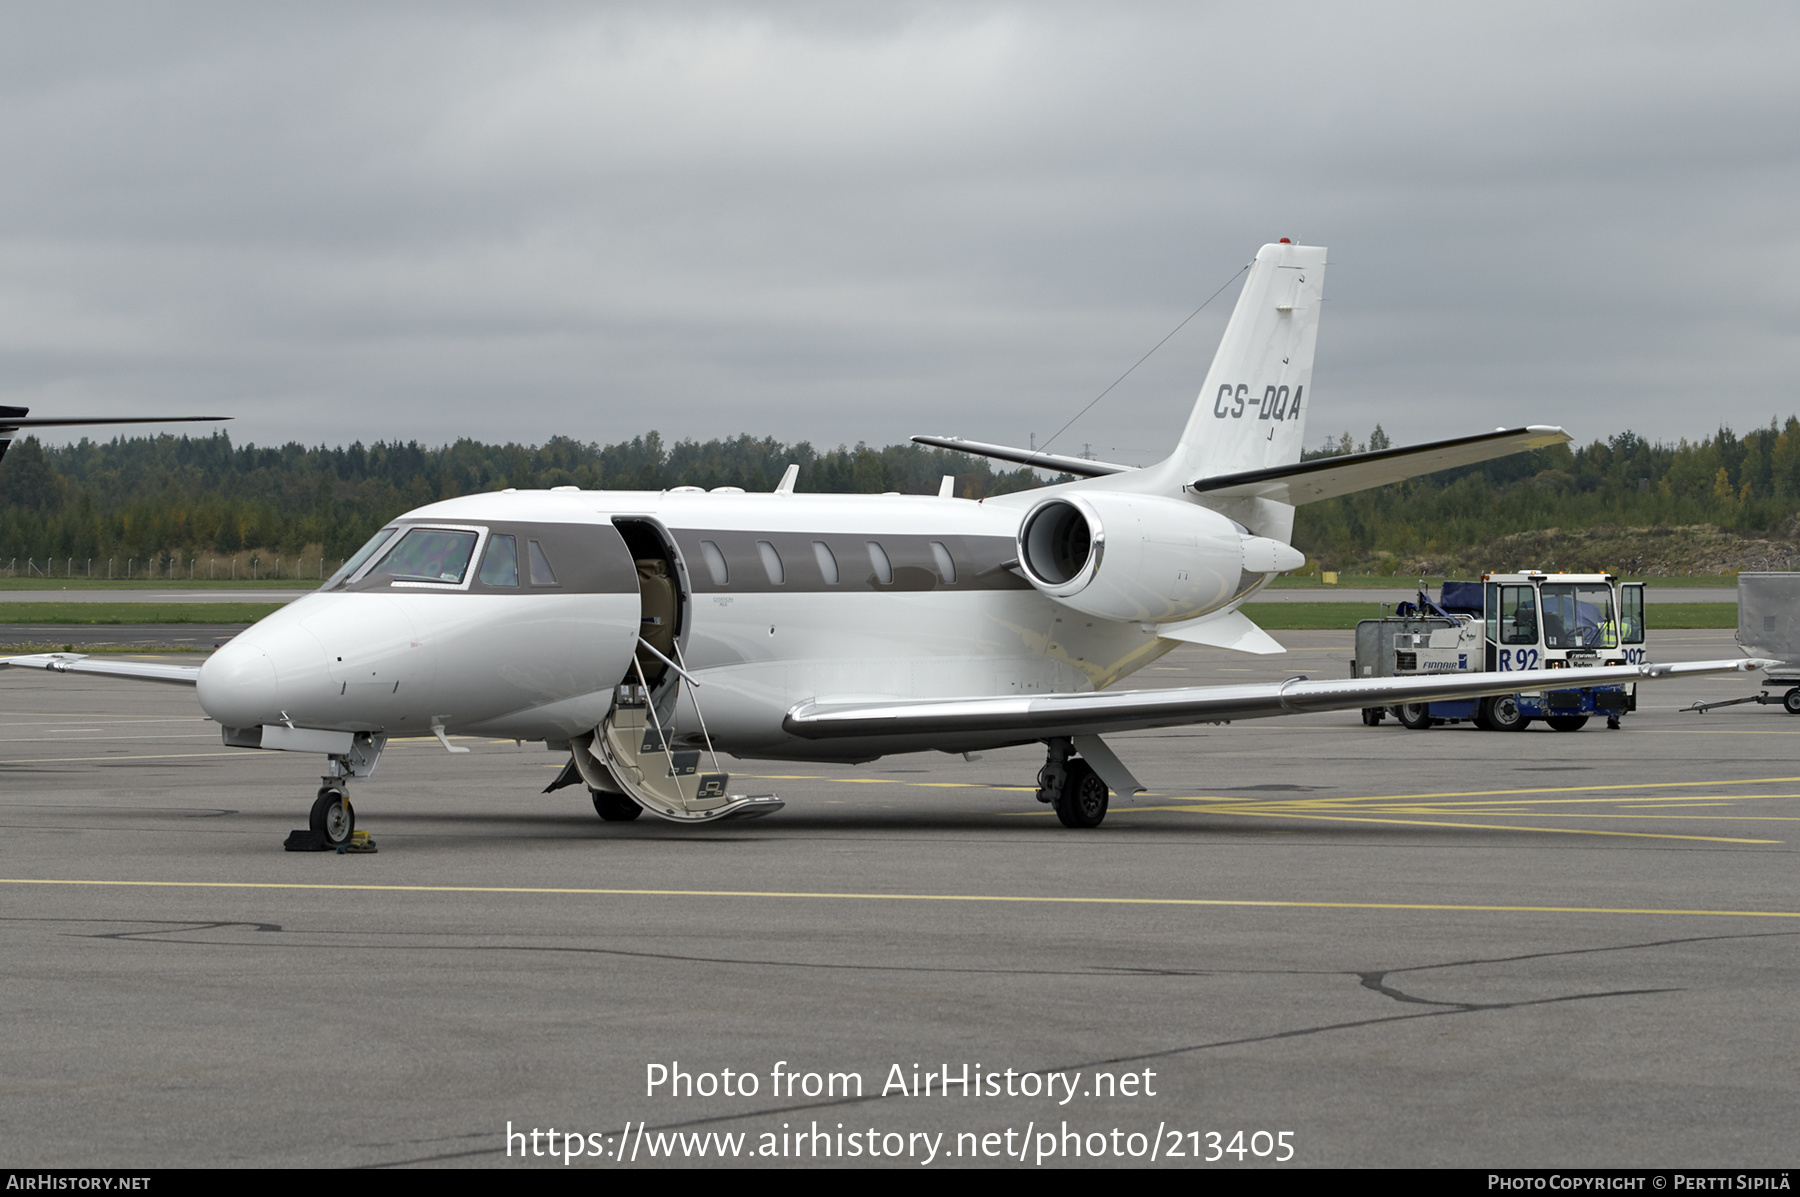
{"x":827,"y":563}
{"x":715,"y":563}
{"x":878,"y":558}
{"x":500,"y":564}
{"x":945,"y":563}
{"x":771,"y":562}
{"x":430,"y":555}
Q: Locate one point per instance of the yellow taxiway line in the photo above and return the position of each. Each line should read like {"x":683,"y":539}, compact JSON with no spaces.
{"x":1016,"y":899}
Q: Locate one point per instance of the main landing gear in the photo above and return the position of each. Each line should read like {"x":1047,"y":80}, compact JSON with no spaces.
{"x":615,"y":808}
{"x":1071,"y":787}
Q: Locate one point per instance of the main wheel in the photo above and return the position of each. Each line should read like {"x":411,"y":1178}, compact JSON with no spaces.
{"x":1373,"y":715}
{"x":1567,"y":722}
{"x":1084,"y":797}
{"x":615,"y":808}
{"x":1790,"y":702}
{"x":1416,"y":715}
{"x":332,"y":816}
{"x":1504,"y":714}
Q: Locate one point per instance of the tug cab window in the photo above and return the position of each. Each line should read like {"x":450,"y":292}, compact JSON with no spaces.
{"x":1518,"y":615}
{"x":1579,"y":616}
{"x":430,"y":555}
{"x":500,"y":564}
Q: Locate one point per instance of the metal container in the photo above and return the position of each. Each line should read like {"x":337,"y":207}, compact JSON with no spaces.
{"x":1375,"y":643}
{"x":1769,"y":621}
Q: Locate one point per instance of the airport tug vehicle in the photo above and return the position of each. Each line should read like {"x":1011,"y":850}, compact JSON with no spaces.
{"x":1510,"y":623}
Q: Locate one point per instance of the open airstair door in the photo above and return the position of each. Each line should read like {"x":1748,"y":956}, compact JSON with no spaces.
{"x":643,"y":750}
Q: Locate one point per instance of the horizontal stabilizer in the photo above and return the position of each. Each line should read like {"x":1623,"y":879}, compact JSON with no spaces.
{"x":949,"y":723}
{"x":1329,"y":477}
{"x":15,"y":423}
{"x":1231,"y":630}
{"x":181,"y":675}
{"x":1081,"y":467}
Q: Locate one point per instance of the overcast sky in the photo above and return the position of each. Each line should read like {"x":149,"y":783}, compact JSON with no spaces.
{"x":858,"y":222}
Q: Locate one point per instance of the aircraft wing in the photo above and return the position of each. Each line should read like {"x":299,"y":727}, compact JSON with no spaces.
{"x":1329,"y":477}
{"x":1019,"y":719}
{"x":181,"y":675}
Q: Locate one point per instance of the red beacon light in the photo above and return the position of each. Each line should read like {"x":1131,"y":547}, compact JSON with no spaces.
{"x":1285,"y":241}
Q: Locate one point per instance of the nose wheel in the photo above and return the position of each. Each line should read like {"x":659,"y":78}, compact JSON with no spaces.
{"x":332,"y":815}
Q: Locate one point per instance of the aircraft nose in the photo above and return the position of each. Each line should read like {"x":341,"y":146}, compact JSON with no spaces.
{"x":238,"y":686}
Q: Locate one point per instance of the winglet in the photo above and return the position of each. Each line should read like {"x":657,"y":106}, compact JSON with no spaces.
{"x":786,"y":485}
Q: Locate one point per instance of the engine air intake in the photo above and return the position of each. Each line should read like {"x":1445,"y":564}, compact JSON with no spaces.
{"x":1057,"y":544}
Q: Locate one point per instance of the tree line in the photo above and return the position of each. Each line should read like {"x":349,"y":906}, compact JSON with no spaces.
{"x":1748,"y":485}
{"x":182,"y":495}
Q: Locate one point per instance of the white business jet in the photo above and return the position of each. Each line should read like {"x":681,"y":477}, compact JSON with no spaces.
{"x":646,"y":633}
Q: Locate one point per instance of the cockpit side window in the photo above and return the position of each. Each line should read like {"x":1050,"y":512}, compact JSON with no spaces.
{"x":541,"y":573}
{"x":430,"y":555}
{"x":500,"y":564}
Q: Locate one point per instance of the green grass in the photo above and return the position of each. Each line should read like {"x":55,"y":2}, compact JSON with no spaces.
{"x":122,"y":613}
{"x":1308,"y":616}
{"x":1403,"y":583}
{"x":143,"y":583}
{"x":1691,"y":615}
{"x":20,"y":648}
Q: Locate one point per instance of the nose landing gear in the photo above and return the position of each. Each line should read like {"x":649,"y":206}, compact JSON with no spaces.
{"x":333,"y":820}
{"x":332,"y":815}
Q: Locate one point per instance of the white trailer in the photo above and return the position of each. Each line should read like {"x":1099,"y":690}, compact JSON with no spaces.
{"x":1769,"y":626}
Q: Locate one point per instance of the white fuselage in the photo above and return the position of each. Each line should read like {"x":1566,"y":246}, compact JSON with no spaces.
{"x":926,"y":603}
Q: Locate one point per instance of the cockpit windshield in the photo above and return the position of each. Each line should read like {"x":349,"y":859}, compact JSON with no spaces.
{"x":430,"y":555}
{"x":356,"y":561}
{"x":1578,"y":615}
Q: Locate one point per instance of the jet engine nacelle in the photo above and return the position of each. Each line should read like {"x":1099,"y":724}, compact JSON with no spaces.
{"x":1143,"y":558}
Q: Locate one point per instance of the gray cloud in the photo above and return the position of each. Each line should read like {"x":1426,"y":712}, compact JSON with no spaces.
{"x":441,"y":221}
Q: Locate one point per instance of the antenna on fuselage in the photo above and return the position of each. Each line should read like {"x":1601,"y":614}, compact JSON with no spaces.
{"x":786,"y":485}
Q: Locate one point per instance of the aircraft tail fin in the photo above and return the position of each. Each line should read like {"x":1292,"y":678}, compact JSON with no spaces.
{"x":1251,"y":413}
